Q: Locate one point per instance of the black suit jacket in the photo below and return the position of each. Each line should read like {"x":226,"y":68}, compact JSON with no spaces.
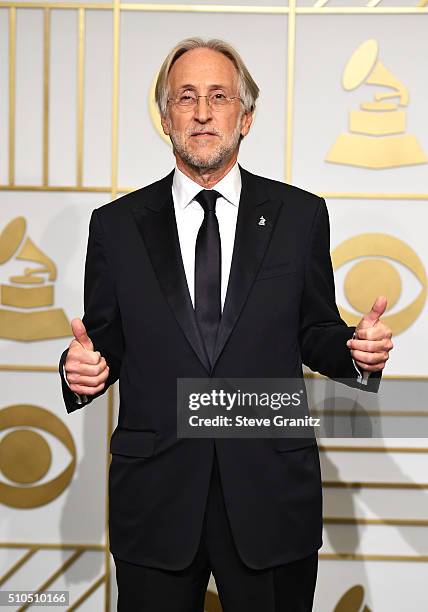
{"x":279,"y":311}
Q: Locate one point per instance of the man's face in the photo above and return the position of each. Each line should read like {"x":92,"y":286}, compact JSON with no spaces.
{"x":203,"y":138}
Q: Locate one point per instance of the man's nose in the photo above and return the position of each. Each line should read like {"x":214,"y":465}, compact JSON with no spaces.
{"x":202,"y":111}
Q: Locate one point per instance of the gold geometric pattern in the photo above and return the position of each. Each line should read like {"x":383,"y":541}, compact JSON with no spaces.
{"x":77,"y":550}
{"x":371,"y":4}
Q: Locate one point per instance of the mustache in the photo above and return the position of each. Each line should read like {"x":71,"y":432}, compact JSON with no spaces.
{"x":194,"y":131}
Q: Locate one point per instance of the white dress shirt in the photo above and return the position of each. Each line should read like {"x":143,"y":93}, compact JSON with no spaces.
{"x":189,"y":215}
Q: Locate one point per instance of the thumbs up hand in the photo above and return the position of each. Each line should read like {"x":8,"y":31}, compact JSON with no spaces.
{"x":85,"y":369}
{"x":372,"y":342}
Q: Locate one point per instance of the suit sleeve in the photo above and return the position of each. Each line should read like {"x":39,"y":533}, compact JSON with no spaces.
{"x":102,"y":316}
{"x":323,"y":334}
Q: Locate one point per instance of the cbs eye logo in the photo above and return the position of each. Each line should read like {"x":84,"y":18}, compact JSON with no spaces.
{"x":26,"y":456}
{"x":374,"y":274}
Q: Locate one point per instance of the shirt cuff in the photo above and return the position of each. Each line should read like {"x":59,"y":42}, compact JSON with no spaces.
{"x":80,"y":399}
{"x":363,"y":375}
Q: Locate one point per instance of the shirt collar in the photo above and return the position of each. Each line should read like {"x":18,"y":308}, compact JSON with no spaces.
{"x":184,"y":189}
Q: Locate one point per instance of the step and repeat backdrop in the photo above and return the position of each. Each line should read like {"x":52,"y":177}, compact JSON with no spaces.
{"x":343,"y":113}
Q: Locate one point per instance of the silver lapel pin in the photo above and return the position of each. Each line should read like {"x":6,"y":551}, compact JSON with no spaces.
{"x":262,"y":221}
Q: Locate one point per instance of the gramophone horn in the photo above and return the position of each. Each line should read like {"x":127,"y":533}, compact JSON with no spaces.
{"x":11,"y":237}
{"x":360,"y":64}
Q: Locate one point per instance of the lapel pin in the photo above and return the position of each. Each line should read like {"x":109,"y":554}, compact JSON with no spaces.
{"x":262,"y":221}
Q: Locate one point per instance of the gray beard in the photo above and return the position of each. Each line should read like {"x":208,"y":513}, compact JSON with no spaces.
{"x":222,"y":153}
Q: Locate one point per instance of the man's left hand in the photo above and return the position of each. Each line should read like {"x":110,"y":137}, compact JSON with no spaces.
{"x":372,"y":342}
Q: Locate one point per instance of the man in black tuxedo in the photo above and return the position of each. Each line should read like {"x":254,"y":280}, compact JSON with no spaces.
{"x":211,"y":272}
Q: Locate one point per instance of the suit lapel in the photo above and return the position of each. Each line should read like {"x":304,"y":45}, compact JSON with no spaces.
{"x":251,"y":241}
{"x":156,"y":222}
{"x":155,"y":219}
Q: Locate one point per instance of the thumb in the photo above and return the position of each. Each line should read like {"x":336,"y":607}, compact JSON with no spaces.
{"x":79,"y":331}
{"x":372,"y":317}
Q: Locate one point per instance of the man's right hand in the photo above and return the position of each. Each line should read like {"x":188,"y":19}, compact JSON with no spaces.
{"x":85,"y":369}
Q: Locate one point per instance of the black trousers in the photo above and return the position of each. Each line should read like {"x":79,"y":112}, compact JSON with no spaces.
{"x":285,"y":588}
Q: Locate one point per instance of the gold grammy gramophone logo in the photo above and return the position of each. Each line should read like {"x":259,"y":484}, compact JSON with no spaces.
{"x":26,"y":313}
{"x":377,"y":137}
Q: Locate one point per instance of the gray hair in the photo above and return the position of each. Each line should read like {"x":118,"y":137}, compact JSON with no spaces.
{"x":248,"y":89}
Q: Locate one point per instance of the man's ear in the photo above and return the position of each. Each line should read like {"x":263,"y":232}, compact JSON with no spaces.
{"x":165,"y":125}
{"x":246,"y":121}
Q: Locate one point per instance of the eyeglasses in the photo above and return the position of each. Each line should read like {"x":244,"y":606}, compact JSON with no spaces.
{"x":188,"y":101}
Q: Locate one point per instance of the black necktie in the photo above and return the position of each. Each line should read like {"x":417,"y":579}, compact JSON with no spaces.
{"x":208,"y":271}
